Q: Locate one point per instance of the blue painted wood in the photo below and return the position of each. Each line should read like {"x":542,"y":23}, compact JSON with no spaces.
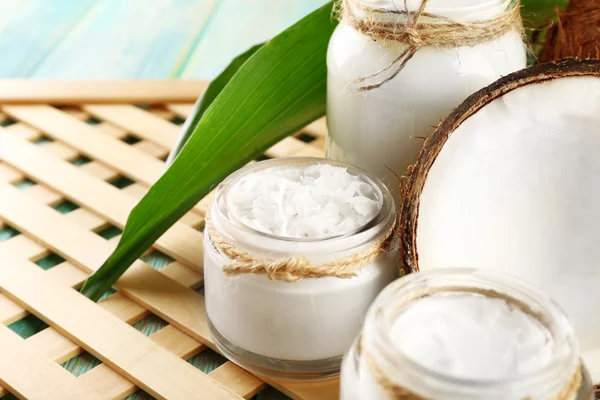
{"x":30,"y":29}
{"x":239,"y":24}
{"x":128,"y":39}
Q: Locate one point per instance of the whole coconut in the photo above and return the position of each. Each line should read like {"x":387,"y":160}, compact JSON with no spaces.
{"x":575,"y":34}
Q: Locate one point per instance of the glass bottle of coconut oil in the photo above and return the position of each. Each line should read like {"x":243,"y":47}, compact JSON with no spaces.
{"x":382,"y":129}
{"x":464,"y":334}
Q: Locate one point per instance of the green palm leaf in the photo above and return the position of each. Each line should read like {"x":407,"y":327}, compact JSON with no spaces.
{"x":278,"y":90}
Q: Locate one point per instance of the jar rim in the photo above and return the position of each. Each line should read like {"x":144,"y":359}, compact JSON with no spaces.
{"x":386,"y":202}
{"x":552,"y":375}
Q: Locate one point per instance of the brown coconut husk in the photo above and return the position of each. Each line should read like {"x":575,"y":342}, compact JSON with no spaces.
{"x":417,"y":174}
{"x":575,"y":34}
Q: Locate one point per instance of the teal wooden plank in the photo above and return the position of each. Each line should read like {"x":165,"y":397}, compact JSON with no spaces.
{"x":128,"y":39}
{"x":178,"y":39}
{"x":29,"y":30}
{"x":239,"y":24}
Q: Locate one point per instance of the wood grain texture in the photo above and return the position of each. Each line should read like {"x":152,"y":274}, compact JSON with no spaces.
{"x":165,"y":297}
{"x":151,"y":367}
{"x":128,"y":160}
{"x":142,"y":124}
{"x":69,"y":235}
{"x":128,"y":39}
{"x":32,"y":28}
{"x":256,"y":21}
{"x":180,"y":242}
{"x":34,"y":378}
{"x":114,"y":39}
{"x":19,"y":91}
{"x":59,"y":237}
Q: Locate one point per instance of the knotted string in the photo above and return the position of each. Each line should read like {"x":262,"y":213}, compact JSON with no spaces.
{"x":407,"y":27}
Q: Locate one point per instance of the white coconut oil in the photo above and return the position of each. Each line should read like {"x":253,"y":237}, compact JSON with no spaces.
{"x":464,"y":334}
{"x":382,"y":130}
{"x":322,"y":210}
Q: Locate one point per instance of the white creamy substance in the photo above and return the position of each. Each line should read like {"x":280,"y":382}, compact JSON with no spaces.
{"x":472,"y":337}
{"x":381,"y":130}
{"x":311,"y":319}
{"x":458,"y":335}
{"x":303,"y":202}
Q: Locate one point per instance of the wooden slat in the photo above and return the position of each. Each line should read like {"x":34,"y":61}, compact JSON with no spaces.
{"x":149,"y":289}
{"x":107,"y":381}
{"x":94,"y":168}
{"x":24,"y":91}
{"x":54,"y":346}
{"x":24,"y":131}
{"x":151,"y":367}
{"x":8,"y":174}
{"x":180,"y":241}
{"x":87,"y":251}
{"x":161,"y":112}
{"x":140,"y":123}
{"x":34,"y":378}
{"x":127,"y":160}
{"x":169,"y":300}
{"x":182,"y":110}
{"x":229,"y":375}
{"x":317,"y":128}
{"x":163,"y":296}
{"x":23,"y":247}
{"x":286,"y":147}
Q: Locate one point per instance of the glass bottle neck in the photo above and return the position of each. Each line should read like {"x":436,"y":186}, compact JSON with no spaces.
{"x":459,"y":10}
{"x":400,"y":372}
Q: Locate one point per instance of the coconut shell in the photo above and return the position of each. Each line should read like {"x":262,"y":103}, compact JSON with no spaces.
{"x":575,"y":34}
{"x":417,"y":173}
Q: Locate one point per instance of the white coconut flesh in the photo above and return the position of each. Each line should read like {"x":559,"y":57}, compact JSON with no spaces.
{"x":516,"y":188}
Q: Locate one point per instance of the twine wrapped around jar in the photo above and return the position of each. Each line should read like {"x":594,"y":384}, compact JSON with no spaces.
{"x":419,"y":29}
{"x":293,"y":269}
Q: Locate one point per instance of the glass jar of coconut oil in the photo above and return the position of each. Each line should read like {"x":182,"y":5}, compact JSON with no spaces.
{"x":464,"y":334}
{"x":296,"y":250}
{"x":387,"y":90}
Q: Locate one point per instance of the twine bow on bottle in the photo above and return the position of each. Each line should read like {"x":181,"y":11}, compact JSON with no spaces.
{"x":419,"y":29}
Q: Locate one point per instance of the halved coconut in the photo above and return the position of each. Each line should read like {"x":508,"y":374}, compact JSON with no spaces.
{"x":511,"y":181}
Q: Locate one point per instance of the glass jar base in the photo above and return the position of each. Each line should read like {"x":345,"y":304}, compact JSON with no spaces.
{"x":273,"y":367}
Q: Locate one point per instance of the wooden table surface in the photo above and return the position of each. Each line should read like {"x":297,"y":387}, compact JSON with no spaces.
{"x":133,"y":39}
{"x":130,"y":39}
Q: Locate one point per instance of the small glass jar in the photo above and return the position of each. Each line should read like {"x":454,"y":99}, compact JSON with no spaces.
{"x":376,"y":369}
{"x":382,"y":130}
{"x":301,"y":329}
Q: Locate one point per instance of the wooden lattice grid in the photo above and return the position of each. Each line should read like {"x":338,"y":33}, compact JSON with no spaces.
{"x":70,"y":173}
